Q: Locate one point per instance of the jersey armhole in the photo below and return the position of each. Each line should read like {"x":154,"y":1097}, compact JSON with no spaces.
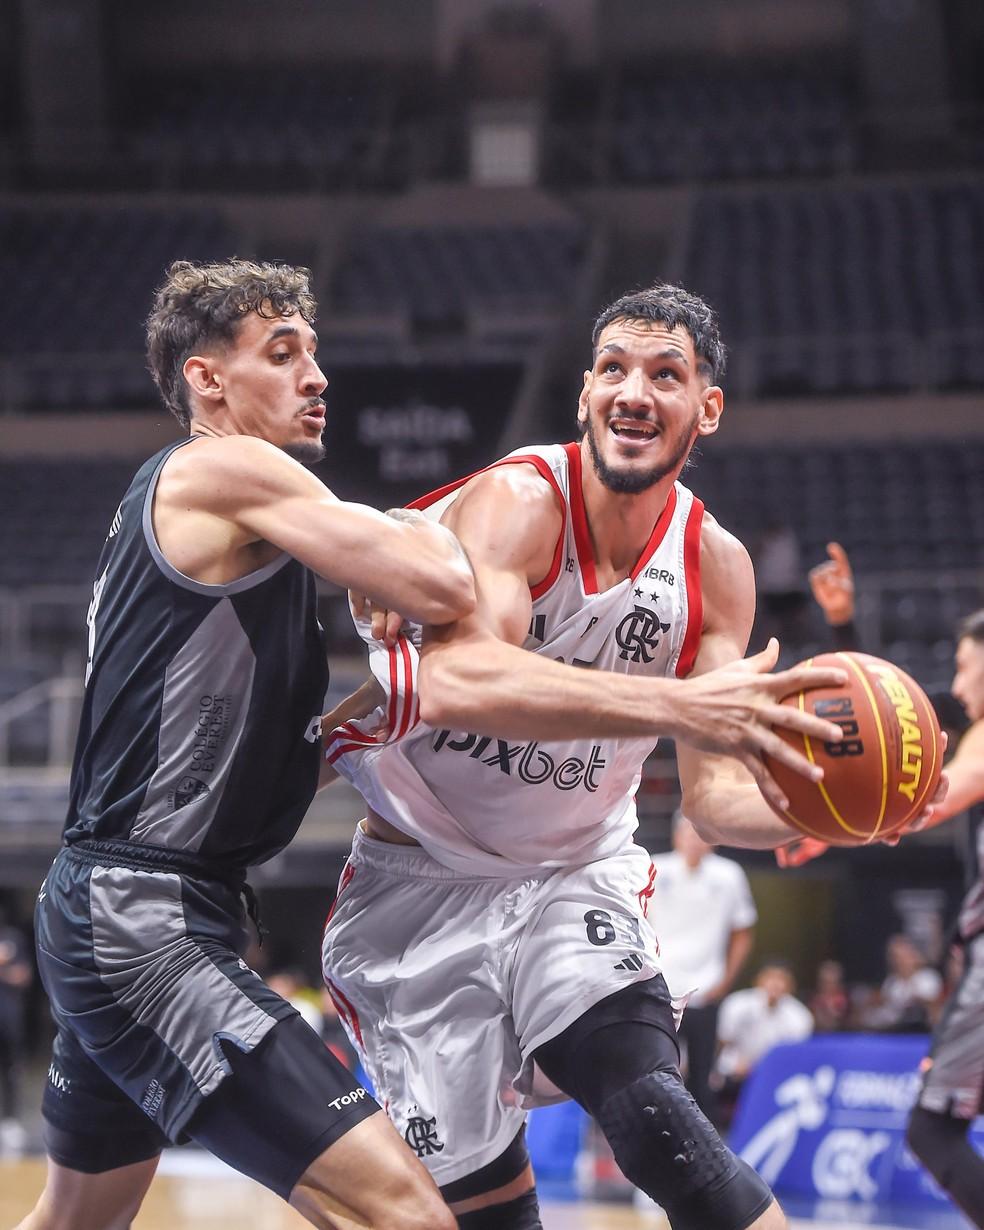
{"x":695,"y":602}
{"x":173,"y":574}
{"x":543,"y":469}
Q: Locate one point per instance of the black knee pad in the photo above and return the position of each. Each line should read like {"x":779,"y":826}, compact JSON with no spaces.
{"x":523,"y":1213}
{"x":665,"y":1145}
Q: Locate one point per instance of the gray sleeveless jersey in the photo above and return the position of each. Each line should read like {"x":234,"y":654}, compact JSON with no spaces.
{"x":200,"y":723}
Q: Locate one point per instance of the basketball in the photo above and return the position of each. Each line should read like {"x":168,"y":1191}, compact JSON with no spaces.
{"x":884,"y":769}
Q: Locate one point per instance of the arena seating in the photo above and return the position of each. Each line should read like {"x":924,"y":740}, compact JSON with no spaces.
{"x":439,"y":273}
{"x":846,"y":289}
{"x":87,"y":278}
{"x":285,"y":129}
{"x":57,"y":515}
{"x":709,"y":123}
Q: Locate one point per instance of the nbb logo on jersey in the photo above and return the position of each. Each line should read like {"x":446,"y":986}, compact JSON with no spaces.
{"x":527,"y":761}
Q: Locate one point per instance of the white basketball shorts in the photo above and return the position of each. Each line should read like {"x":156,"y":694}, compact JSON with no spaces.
{"x":448,"y":983}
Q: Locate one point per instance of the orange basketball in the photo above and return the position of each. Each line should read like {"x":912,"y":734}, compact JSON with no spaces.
{"x":883,"y":771}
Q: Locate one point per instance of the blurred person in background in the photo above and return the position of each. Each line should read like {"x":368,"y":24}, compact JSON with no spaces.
{"x":704,"y":915}
{"x":829,"y":1001}
{"x":16,"y":976}
{"x":198,"y":754}
{"x":906,"y":1000}
{"x":782,"y":596}
{"x":952,"y":1092}
{"x":290,"y":983}
{"x":753,"y":1021}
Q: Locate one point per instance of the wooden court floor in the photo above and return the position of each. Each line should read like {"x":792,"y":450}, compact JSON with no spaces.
{"x":210,"y":1202}
{"x":194,"y":1192}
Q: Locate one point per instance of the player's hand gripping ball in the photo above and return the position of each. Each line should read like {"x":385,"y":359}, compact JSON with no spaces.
{"x":881,"y":774}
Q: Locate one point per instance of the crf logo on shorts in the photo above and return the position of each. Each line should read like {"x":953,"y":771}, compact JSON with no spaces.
{"x":421,"y":1136}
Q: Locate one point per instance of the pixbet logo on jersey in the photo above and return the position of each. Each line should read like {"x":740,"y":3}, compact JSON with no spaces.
{"x":528,"y":761}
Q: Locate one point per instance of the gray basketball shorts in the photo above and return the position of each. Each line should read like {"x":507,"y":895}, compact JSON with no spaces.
{"x":158,"y":1014}
{"x":954,"y":1078}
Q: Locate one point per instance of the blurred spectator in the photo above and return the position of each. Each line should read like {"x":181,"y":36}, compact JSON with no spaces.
{"x":909,"y":994}
{"x":829,"y":1003}
{"x":704,"y":916}
{"x":16,"y":975}
{"x":779,"y":583}
{"x":832,"y":585}
{"x":753,"y":1021}
{"x":291,"y":984}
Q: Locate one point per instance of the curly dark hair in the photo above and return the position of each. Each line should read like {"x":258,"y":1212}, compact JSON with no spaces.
{"x":671,"y":306}
{"x":203,"y":304}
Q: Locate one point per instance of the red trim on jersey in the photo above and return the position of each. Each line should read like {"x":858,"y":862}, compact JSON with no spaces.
{"x":582,"y":534}
{"x":342,"y":1005}
{"x":408,"y":687}
{"x":645,"y":894}
{"x":391,"y":712}
{"x":346,"y":1011}
{"x":344,"y":880}
{"x":343,"y":749}
{"x":579,"y":519}
{"x":544,"y":470}
{"x":695,"y":601}
{"x":659,"y":531}
{"x":356,"y":737}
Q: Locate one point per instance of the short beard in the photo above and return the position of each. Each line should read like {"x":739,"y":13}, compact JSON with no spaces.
{"x":631,"y":482}
{"x":307,"y":452}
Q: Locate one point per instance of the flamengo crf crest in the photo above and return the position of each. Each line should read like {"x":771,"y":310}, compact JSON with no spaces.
{"x":638,"y":635}
{"x":421,"y":1136}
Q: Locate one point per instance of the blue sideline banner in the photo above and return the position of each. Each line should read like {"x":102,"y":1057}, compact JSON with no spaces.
{"x":826,"y":1118}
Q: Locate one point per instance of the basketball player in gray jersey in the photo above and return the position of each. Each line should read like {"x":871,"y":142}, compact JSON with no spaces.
{"x":198,"y":754}
{"x":952,"y":1092}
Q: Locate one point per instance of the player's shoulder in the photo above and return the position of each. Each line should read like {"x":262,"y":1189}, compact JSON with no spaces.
{"x":719,"y":547}
{"x":223,"y":469}
{"x":518,"y":488}
{"x":227,"y":452}
{"x":725,"y":564}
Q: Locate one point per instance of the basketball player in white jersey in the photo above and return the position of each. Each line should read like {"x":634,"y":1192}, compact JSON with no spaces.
{"x":489,"y":947}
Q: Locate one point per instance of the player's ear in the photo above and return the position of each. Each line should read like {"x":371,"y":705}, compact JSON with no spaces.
{"x":711,"y":409}
{"x":582,"y":401}
{"x":201,"y":377}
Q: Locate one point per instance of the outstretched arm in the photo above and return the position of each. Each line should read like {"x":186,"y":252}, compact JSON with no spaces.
{"x":242,"y":490}
{"x":474,"y":676}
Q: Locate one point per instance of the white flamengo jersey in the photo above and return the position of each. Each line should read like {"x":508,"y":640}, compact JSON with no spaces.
{"x":490,"y":807}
